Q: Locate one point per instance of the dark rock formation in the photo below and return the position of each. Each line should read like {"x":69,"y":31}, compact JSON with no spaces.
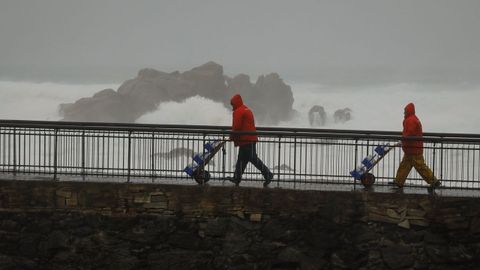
{"x":106,"y":105}
{"x":283,"y":167}
{"x":342,"y":115}
{"x":270,"y":98}
{"x":317,"y":116}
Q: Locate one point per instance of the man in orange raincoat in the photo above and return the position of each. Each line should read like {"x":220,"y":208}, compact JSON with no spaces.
{"x":413,"y":151}
{"x":244,"y":121}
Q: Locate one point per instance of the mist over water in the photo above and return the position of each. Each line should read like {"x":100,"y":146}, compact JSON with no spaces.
{"x":39,"y":101}
{"x":441,"y":108}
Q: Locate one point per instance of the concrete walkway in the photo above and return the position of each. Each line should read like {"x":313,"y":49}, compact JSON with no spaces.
{"x":347,"y":187}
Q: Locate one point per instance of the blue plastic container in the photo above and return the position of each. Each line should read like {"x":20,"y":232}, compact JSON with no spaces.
{"x":380,"y":150}
{"x":209,"y":146}
{"x":189,"y":170}
{"x":368,"y":161}
{"x":198,"y":159}
{"x":356,"y":174}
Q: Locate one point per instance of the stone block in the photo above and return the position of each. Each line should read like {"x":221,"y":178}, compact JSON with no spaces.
{"x":60,"y":202}
{"x":156,"y":205}
{"x":141,"y":198}
{"x":426,"y":205}
{"x":388,"y":205}
{"x":382,"y":218}
{"x":158,"y":198}
{"x":419,"y":222}
{"x":393,"y":214}
{"x":72,"y":202}
{"x":404,"y":224}
{"x":416,"y":212}
{"x":63,"y":193}
{"x":256,"y":217}
{"x":376,"y":210}
{"x":240,"y":214}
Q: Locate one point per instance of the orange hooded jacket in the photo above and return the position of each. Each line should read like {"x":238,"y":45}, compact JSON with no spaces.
{"x":243,"y":120}
{"x":412,"y":127}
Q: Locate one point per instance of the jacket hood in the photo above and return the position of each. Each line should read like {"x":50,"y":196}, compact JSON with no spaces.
{"x":236,"y":101}
{"x":409,"y":110}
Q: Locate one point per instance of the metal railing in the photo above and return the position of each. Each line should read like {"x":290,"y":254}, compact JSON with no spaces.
{"x":297,"y":157}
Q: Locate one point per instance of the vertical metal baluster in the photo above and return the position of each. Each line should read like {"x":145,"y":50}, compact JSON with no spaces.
{"x":434,"y":154}
{"x":129,"y":155}
{"x":356,"y":162}
{"x":14,"y":152}
{"x":278,"y":163}
{"x":294,"y":160}
{"x":55,"y":139}
{"x":153,"y":156}
{"x":83,"y":155}
{"x":473,"y":166}
{"x":224,"y":156}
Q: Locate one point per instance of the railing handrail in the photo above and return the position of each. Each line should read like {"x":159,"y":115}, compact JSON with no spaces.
{"x":225,"y":130}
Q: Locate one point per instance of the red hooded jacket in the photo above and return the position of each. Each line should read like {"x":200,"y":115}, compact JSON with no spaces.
{"x":412,"y":127}
{"x":243,"y":120}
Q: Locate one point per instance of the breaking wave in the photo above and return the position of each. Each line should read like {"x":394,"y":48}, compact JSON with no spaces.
{"x":442,"y":108}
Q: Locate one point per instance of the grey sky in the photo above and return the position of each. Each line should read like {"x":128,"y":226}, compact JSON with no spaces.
{"x":247,"y":35}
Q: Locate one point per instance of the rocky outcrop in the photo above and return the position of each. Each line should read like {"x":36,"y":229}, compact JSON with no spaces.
{"x":106,"y":105}
{"x":342,"y":115}
{"x":317,"y":116}
{"x":270,"y":98}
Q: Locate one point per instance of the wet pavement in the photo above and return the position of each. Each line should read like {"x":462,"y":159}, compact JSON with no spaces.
{"x":311,"y":185}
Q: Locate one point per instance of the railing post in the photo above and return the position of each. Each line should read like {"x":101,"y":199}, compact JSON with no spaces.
{"x":14,"y":151}
{"x":434,"y":154}
{"x":203,"y":166}
{"x":441,"y":160}
{"x":224,"y":156}
{"x":55,"y":155}
{"x":278,"y":168}
{"x":129,"y":158}
{"x":153,"y":156}
{"x":355,"y":163}
{"x":83,"y":155}
{"x":295,"y":160}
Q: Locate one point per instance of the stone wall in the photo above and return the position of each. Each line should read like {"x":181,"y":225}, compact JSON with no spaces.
{"x":71,"y":225}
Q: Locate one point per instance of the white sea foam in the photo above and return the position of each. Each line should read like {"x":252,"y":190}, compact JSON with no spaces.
{"x":441,"y":108}
{"x":193,"y":111}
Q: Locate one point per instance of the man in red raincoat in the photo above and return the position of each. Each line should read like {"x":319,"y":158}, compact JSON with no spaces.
{"x":243,"y":121}
{"x":413,"y":151}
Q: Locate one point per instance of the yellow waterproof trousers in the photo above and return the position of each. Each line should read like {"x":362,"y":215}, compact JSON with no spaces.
{"x":418,"y":162}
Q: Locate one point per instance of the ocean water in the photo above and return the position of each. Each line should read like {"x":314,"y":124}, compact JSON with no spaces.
{"x":441,"y":108}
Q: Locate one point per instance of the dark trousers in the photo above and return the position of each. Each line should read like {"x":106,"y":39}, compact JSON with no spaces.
{"x":248,"y":153}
